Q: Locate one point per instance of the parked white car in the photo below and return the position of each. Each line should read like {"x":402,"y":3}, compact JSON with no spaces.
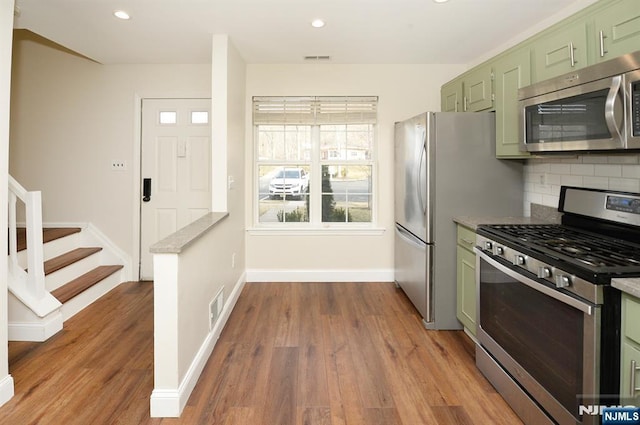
{"x":289,"y":182}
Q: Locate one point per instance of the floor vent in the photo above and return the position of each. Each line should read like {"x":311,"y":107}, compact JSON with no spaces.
{"x":215,"y":308}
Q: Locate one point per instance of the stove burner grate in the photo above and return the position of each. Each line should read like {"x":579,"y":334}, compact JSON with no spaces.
{"x":576,"y":246}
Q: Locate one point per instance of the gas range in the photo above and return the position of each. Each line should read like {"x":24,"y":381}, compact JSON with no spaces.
{"x":548,"y":317}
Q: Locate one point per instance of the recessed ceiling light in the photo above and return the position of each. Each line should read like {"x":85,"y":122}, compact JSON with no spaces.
{"x":121,"y":14}
{"x":440,"y":1}
{"x":317,"y":23}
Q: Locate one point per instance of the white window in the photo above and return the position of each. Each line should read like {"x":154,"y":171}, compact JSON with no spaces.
{"x":315,"y":160}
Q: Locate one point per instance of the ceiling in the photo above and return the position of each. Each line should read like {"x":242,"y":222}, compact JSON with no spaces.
{"x":279,"y":31}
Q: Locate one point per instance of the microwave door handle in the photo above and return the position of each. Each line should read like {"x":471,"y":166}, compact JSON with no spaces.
{"x":612,"y":100}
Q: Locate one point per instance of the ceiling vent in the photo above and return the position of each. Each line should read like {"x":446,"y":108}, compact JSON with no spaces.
{"x":317,"y":58}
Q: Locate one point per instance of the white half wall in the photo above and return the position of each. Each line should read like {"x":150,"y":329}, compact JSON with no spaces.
{"x":6,"y":42}
{"x":403,"y":91}
{"x":187,"y":282}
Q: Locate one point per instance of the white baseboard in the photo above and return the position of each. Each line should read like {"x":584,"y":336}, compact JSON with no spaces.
{"x":6,"y":389}
{"x":367,"y":275}
{"x":119,"y":256}
{"x":37,"y":332}
{"x":169,"y":403}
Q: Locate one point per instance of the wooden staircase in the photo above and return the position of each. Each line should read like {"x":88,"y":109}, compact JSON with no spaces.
{"x":73,"y":271}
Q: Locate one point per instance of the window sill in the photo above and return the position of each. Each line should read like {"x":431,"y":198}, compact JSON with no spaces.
{"x":315,"y":231}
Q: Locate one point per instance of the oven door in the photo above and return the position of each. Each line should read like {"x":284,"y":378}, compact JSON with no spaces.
{"x":544,"y":339}
{"x":590,"y":116}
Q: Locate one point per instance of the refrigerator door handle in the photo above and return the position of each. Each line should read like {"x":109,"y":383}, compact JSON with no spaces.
{"x":421,"y":182}
{"x":409,"y":238}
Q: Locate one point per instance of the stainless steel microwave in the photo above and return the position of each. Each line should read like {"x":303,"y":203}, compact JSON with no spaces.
{"x":596,"y":108}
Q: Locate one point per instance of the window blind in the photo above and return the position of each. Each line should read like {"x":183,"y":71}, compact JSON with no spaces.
{"x":315,"y":110}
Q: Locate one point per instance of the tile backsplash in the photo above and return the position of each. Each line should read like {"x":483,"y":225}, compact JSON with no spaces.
{"x":544,"y":176}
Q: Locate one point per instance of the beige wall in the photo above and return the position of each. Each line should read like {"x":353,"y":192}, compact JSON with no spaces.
{"x":404,"y":91}
{"x":71,"y":117}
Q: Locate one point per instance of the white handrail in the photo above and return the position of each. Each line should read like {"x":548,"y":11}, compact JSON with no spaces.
{"x":34,"y":282}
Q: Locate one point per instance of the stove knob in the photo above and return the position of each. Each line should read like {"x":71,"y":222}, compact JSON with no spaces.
{"x":544,"y":272}
{"x":518,"y":260}
{"x":562,"y":281}
{"x":488,"y":246}
{"x":499,"y":250}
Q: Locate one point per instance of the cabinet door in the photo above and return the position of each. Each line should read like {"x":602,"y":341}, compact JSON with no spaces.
{"x":560,"y":52}
{"x":630,"y":374}
{"x":466,"y":287}
{"x":511,"y":73}
{"x":617,"y":29}
{"x":451,"y":96}
{"x":478,"y":89}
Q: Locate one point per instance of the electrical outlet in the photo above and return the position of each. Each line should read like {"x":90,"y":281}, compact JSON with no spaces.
{"x":118,"y":165}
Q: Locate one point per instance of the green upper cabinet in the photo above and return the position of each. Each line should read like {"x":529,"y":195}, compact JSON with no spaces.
{"x":451,"y":96}
{"x":478,"y":93}
{"x":602,"y":31}
{"x":617,"y":30}
{"x":512,"y":72}
{"x":560,"y":51}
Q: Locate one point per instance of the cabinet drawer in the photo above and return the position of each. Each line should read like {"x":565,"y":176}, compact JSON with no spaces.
{"x":632,"y":318}
{"x":466,"y":237}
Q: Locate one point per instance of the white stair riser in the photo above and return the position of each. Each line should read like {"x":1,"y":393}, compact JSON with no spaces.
{"x":64,"y":275}
{"x":82,"y":300}
{"x":53,"y":249}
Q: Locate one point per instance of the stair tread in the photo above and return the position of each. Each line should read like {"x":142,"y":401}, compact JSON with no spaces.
{"x":48,"y":234}
{"x":68,"y":258}
{"x":84,"y":282}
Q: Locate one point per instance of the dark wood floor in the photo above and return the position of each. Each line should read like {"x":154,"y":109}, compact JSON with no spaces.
{"x":311,"y":353}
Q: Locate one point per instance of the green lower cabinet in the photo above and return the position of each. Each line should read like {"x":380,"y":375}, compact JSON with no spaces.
{"x":630,"y":357}
{"x":630,"y":374}
{"x":466,"y":288}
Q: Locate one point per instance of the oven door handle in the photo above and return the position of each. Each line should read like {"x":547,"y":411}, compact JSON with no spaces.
{"x":553,"y":293}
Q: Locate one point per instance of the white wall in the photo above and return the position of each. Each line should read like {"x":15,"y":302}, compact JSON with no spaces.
{"x":544,"y":176}
{"x":404,"y":91}
{"x":71,"y":117}
{"x":6,"y":25}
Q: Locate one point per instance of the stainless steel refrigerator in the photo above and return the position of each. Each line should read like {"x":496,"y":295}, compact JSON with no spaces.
{"x":445,"y":166}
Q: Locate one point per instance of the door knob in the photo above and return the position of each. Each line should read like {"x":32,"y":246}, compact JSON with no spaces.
{"x":146,"y":190}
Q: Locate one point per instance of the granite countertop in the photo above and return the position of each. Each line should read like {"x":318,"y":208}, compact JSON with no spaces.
{"x":540,"y":214}
{"x":474,"y":222}
{"x":629,"y":285}
{"x":176,"y":242}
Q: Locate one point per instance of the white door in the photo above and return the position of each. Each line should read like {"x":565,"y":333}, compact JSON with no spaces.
{"x":176,"y":167}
